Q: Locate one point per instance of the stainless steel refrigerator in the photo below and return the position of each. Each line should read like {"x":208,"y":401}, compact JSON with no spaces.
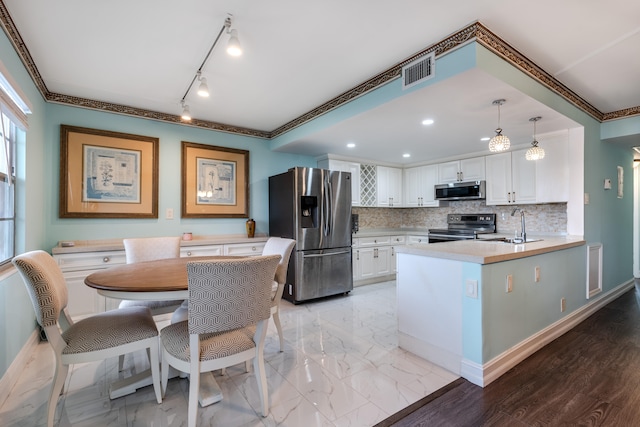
{"x":313,"y":207}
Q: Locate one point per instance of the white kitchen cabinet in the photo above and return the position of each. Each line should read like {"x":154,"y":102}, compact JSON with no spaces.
{"x":419,"y":185}
{"x":511,"y":179}
{"x":75,"y":266}
{"x":472,"y":169}
{"x":83,"y":300}
{"x":374,"y":257}
{"x":364,"y":258}
{"x":382,"y":261}
{"x":389,"y":186}
{"x":552,"y":172}
{"x":346,"y":166}
{"x":395,"y":241}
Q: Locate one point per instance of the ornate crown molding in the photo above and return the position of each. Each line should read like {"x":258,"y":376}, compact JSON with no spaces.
{"x":152,"y":115}
{"x":473,"y":32}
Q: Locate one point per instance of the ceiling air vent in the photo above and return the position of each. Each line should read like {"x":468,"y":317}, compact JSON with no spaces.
{"x":419,"y":70}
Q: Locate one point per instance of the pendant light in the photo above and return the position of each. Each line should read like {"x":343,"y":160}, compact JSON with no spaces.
{"x":535,"y":152}
{"x":499,"y":142}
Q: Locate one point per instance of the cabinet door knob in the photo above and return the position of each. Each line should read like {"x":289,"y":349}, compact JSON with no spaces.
{"x":253,"y":248}
{"x":106,"y":259}
{"x":514,"y":197}
{"x":189,"y":253}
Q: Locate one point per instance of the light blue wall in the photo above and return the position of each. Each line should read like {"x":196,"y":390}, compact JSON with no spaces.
{"x":263,"y":163}
{"x":509,"y":318}
{"x":16,"y":314}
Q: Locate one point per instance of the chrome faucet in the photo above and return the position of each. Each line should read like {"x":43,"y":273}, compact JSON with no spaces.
{"x":523,"y":233}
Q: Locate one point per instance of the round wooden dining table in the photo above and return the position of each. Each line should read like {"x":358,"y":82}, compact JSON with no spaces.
{"x":164,"y":279}
{"x":157,"y":280}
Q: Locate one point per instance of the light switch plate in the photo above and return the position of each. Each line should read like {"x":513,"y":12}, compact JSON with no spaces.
{"x":472,"y":288}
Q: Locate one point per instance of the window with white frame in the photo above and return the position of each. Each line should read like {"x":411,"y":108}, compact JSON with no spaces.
{"x":13,"y":125}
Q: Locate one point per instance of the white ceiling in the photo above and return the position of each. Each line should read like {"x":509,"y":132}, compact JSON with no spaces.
{"x":298,"y":55}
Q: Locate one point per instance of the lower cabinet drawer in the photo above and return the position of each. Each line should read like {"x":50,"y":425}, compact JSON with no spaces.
{"x":90,"y":260}
{"x":210,"y":250}
{"x":244,"y":249}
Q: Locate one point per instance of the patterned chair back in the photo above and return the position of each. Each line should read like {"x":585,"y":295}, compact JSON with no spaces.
{"x":45,"y":284}
{"x":229,"y":294}
{"x":151,"y":248}
{"x":282,"y":247}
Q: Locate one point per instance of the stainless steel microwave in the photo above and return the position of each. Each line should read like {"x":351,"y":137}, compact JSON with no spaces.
{"x":470,"y":190}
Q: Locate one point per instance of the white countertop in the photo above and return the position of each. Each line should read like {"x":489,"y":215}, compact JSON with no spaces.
{"x":484,"y":252}
{"x":117,"y":245}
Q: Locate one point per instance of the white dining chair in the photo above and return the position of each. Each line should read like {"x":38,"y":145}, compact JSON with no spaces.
{"x":228,"y":310}
{"x":99,"y":337}
{"x":282,"y":247}
{"x":150,"y":249}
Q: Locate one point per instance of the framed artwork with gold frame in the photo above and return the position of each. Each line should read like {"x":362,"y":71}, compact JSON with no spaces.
{"x":106,"y":174}
{"x":215,"y":181}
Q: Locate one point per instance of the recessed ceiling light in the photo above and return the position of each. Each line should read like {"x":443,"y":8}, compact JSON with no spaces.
{"x":406,"y":155}
{"x":351,"y":145}
{"x":427,"y":122}
{"x":486,"y":138}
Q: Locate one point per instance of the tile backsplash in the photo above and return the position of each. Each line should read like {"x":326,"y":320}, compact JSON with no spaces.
{"x":543,"y":219}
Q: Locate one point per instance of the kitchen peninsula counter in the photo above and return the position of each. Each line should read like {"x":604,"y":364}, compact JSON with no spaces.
{"x":477,"y":308}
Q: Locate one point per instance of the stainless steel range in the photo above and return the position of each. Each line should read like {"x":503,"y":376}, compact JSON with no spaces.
{"x":463,"y":227}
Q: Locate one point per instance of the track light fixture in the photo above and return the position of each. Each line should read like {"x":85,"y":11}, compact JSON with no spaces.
{"x":499,"y":142}
{"x":233,"y":49}
{"x":535,"y":152}
{"x":186,"y":112}
{"x":203,"y":89}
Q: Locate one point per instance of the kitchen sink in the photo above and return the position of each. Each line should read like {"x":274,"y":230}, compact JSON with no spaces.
{"x":512,"y":240}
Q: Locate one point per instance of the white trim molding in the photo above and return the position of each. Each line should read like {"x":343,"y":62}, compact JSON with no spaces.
{"x":485,"y":374}
{"x":18,"y":365}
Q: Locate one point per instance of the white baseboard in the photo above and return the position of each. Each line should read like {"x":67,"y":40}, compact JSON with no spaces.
{"x":434,"y":354}
{"x":10,"y":377}
{"x":483,"y":375}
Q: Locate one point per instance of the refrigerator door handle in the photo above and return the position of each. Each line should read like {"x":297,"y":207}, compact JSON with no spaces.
{"x":327,"y":206}
{"x":321,"y":255}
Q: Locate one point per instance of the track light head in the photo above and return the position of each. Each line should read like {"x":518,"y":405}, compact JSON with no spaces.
{"x":233,"y":47}
{"x":186,"y":113}
{"x":203,"y":89}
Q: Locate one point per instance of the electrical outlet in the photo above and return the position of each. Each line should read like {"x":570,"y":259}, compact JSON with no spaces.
{"x":509,"y":283}
{"x":472,"y":288}
{"x":168,"y":213}
{"x":563,"y":305}
{"x":536,"y":275}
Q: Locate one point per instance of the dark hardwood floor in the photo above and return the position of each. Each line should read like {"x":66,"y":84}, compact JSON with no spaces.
{"x":590,"y":376}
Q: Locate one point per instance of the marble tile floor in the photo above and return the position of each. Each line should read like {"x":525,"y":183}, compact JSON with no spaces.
{"x":341,"y":367}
